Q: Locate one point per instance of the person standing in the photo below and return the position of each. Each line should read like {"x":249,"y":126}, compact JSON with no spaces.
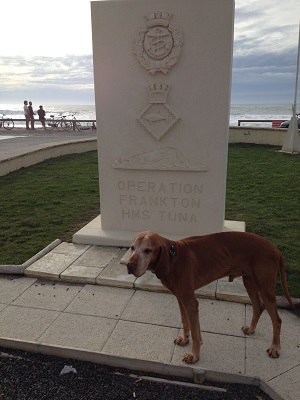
{"x":26,"y":113}
{"x":41,"y":112}
{"x":31,"y":115}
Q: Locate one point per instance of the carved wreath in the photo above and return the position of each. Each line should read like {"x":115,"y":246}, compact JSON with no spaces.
{"x":154,"y":65}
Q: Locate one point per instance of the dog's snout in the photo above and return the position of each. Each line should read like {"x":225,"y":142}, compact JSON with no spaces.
{"x":130,"y":267}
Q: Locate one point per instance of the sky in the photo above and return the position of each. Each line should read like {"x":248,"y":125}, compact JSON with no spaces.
{"x":46,"y":51}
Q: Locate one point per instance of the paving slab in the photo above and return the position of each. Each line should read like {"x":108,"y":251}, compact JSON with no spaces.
{"x":258,"y":363}
{"x":216,"y":316}
{"x":2,"y":306}
{"x":149,"y":308}
{"x":287,"y":384}
{"x":51,"y":265}
{"x":71,"y":248}
{"x":142,"y":341}
{"x":101,"y":301}
{"x":224,"y":352}
{"x":80,"y":274}
{"x":12,"y":287}
{"x":79,"y":331}
{"x":149,"y":281}
{"x":289,"y":328}
{"x":25,"y":323}
{"x":97,"y":256}
{"x":115,"y":273}
{"x":48,"y":295}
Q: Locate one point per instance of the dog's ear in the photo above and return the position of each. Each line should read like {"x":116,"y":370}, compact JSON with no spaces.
{"x":162,"y":269}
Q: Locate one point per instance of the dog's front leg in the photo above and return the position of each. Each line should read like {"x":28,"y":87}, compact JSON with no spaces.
{"x":183,"y":340}
{"x":191,"y":306}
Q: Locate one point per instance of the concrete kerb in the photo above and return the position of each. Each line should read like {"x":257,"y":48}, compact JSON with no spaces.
{"x":198,"y":375}
{"x":44,"y":152}
{"x":19,"y":269}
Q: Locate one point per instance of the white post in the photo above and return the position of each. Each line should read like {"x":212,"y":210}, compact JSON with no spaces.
{"x":291,"y":143}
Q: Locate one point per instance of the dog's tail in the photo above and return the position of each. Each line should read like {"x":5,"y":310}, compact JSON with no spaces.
{"x":282,"y":269}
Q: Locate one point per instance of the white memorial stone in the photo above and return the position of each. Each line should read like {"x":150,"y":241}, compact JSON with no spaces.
{"x":162,"y":84}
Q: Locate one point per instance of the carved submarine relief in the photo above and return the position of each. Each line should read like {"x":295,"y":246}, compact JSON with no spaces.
{"x":164,"y":159}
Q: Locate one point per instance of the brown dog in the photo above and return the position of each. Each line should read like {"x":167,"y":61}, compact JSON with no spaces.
{"x":188,"y":264}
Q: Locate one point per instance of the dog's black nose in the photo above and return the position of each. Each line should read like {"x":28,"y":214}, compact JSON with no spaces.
{"x":130,"y":268}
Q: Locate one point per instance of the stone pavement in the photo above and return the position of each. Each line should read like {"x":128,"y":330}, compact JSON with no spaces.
{"x":78,"y":301}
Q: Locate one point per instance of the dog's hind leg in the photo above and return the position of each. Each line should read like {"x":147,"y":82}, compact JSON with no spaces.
{"x":257,"y":304}
{"x":269,"y":298}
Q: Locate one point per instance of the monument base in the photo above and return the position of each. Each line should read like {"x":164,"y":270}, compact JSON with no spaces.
{"x":93,"y":234}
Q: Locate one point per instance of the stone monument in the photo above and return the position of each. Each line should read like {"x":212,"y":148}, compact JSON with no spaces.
{"x":162,"y":72}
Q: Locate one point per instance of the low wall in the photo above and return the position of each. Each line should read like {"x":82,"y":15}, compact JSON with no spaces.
{"x":41,"y":153}
{"x":255,"y":135}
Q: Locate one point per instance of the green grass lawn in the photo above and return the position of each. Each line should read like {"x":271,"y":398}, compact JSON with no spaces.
{"x":54,"y":199}
{"x":263,"y":189}
{"x":46,"y":201}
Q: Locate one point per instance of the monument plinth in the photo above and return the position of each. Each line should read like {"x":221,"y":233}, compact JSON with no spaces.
{"x":162,"y":85}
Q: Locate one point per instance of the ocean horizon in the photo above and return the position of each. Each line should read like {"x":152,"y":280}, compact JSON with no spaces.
{"x":237,"y":111}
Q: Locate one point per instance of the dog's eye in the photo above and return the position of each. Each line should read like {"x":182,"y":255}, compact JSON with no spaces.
{"x":147,"y":251}
{"x":132,"y":248}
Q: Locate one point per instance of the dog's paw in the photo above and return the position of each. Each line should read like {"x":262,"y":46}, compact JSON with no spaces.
{"x":248,"y":330}
{"x":190,"y":358}
{"x":274,"y":351}
{"x":181,"y":341}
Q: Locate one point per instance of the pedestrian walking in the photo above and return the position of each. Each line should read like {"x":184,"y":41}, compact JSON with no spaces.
{"x":31,"y":115}
{"x":26,"y":113}
{"x":41,"y":113}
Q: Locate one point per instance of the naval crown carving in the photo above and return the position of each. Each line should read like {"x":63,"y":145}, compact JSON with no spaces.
{"x":158,"y":46}
{"x":158,"y":118}
{"x":158,"y":93}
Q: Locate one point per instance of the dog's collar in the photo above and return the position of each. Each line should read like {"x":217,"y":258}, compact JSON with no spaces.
{"x":172,"y":250}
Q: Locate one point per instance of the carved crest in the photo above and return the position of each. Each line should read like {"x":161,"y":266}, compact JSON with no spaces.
{"x":158,"y":46}
{"x":157,"y":117}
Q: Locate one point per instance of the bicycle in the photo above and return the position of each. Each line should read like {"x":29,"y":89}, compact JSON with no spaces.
{"x":77,"y":124}
{"x":51,"y":123}
{"x":64,"y":125}
{"x":88,"y":126}
{"x":59,"y":123}
{"x":7,"y":123}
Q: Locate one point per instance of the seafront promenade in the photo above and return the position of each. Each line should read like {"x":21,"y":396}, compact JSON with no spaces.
{"x":20,"y":147}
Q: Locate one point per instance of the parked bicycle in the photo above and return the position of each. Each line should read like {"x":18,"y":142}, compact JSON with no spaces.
{"x":89,"y":126}
{"x":61,"y":123}
{"x":51,"y":123}
{"x":7,"y":123}
{"x":76,"y":124}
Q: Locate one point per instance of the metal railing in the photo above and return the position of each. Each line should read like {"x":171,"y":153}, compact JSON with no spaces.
{"x":275,"y":123}
{"x":73,"y":121}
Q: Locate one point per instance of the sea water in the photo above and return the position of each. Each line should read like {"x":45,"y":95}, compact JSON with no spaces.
{"x":237,"y":112}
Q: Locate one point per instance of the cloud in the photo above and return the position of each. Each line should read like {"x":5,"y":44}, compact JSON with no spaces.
{"x":49,"y":77}
{"x":58,"y":63}
{"x":265,"y":51}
